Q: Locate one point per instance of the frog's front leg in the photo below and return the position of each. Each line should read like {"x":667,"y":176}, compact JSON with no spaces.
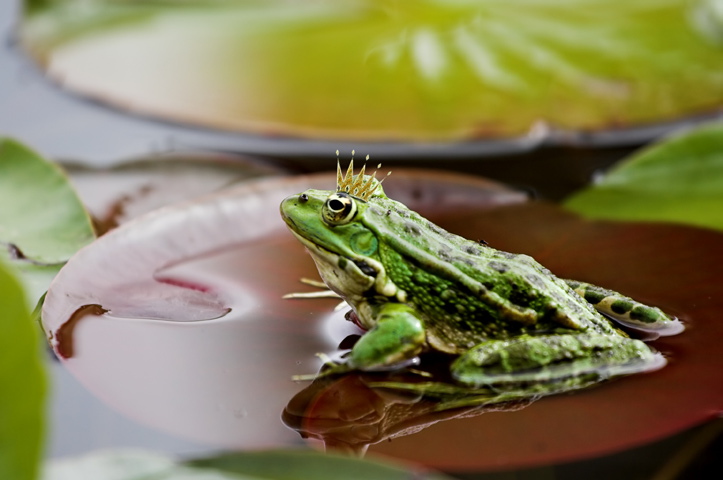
{"x":534,"y":361}
{"x":625,"y":310}
{"x":397,"y":336}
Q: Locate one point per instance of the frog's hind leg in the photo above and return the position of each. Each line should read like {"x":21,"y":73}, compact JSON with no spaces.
{"x":627,"y":311}
{"x":546,"y":363}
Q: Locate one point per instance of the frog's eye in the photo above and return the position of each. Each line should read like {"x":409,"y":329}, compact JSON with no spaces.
{"x":338,"y":209}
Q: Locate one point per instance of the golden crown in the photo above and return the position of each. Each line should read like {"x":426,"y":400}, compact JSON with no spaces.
{"x":355,"y":185}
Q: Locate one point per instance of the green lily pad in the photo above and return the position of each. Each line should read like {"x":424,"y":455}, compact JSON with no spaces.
{"x":268,"y":465}
{"x":22,"y":383}
{"x":42,"y":222}
{"x":679,"y":180}
{"x":41,"y":217}
{"x":387,"y":70}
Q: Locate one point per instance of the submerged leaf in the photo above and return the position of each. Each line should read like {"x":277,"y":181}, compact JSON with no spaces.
{"x":679,"y":180}
{"x":23,"y":384}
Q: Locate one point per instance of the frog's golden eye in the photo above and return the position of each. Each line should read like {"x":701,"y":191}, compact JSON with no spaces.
{"x":338,"y":209}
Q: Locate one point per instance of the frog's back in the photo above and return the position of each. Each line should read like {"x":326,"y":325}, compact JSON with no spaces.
{"x":450,"y":279}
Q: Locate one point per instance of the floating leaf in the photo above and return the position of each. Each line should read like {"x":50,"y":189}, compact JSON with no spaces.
{"x":41,"y":217}
{"x":246,"y":260}
{"x":265,"y":465}
{"x":23,"y":384}
{"x":387,"y":70}
{"x":117,"y":194}
{"x":678,"y":180}
{"x":301,"y":465}
{"x":42,"y":222}
{"x":226,"y":382}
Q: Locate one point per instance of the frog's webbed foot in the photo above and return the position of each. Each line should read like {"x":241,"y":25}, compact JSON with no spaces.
{"x":546,"y":363}
{"x":324,"y":293}
{"x":627,"y":311}
{"x":396,"y":339}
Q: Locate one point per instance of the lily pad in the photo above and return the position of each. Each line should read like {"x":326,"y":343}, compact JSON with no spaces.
{"x":230,"y":251}
{"x":266,"y":465}
{"x":42,"y":221}
{"x":41,"y":217}
{"x":23,"y":384}
{"x":117,"y":194}
{"x":226,"y":381}
{"x":678,"y":180}
{"x":385,"y":70}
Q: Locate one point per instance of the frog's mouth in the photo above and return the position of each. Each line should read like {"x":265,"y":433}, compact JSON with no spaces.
{"x":344,"y":275}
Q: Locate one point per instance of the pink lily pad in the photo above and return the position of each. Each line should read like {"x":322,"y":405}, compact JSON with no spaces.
{"x":225,"y":381}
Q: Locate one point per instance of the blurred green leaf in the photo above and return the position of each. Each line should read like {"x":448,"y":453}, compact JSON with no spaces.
{"x":22,"y":384}
{"x":383,"y":69}
{"x":42,"y":221}
{"x":40,"y":213}
{"x":305,"y":464}
{"x":264,"y":465}
{"x":678,"y":180}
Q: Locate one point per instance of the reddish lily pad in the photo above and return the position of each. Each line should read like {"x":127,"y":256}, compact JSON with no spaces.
{"x":230,"y":378}
{"x":226,"y":381}
{"x":386,"y":70}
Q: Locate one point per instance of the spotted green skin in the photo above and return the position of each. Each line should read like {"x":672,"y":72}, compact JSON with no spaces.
{"x":509,"y":320}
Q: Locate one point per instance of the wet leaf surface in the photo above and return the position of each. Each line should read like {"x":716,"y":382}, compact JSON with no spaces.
{"x":23,"y":384}
{"x":383,"y":70}
{"x":678,"y":180}
{"x":227,"y":381}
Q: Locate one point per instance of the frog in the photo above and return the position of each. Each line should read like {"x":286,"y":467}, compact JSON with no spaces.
{"x":506,"y":320}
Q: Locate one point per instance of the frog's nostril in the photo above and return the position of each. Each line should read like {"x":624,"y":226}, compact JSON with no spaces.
{"x":303,"y":198}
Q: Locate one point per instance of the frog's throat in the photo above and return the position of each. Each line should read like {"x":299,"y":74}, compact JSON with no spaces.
{"x":346,"y":275}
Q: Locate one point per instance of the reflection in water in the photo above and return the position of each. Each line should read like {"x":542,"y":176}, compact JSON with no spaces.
{"x":349,"y":413}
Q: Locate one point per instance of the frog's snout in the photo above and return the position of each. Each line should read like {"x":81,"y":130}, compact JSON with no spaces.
{"x":287,"y":206}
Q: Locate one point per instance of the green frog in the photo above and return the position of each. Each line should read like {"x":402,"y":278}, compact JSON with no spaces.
{"x":416,"y":287}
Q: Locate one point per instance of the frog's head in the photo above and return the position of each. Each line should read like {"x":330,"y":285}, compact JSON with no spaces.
{"x":331,"y":226}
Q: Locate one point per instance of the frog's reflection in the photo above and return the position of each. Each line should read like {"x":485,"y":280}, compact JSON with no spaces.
{"x":355,"y":410}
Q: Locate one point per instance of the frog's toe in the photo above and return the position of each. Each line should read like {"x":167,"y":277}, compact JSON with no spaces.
{"x":627,"y":311}
{"x":533,"y":361}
